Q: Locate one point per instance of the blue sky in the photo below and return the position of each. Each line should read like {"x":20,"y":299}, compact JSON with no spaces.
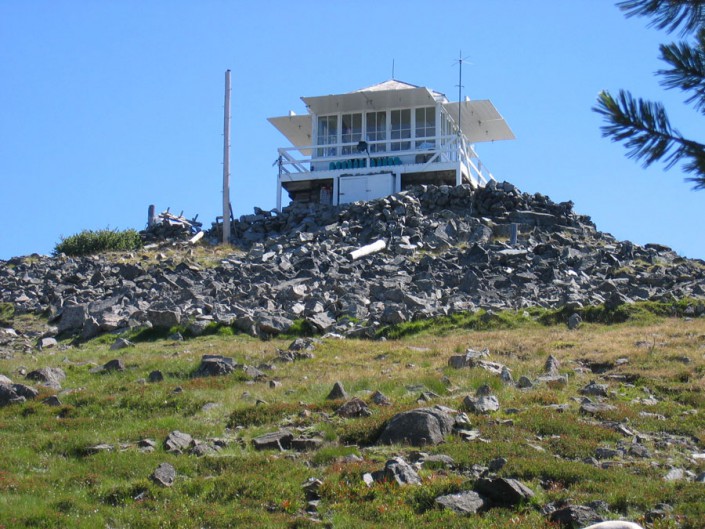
{"x":109,"y":106}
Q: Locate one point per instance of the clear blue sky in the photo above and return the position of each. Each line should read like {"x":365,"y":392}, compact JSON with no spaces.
{"x":109,"y":106}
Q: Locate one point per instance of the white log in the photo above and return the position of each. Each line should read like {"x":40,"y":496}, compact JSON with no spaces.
{"x":367,"y":250}
{"x":196,"y":238}
{"x":615,"y":524}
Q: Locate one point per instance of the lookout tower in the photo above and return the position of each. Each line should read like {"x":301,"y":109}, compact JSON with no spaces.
{"x":379,"y":140}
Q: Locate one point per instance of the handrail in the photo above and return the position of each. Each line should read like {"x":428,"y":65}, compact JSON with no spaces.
{"x":451,"y":148}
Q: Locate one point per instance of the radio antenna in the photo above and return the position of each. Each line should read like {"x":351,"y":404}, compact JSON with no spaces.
{"x":460,"y":86}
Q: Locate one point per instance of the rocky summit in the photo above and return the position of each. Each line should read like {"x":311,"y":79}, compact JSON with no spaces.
{"x":444,"y":250}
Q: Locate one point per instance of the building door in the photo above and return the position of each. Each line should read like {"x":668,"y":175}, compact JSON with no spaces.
{"x":365,"y":187}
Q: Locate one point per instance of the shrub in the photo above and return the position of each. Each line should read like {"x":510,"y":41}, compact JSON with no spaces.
{"x":90,"y":242}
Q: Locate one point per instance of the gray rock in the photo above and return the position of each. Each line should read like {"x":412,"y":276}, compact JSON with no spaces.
{"x":279,"y":440}
{"x":50,"y":377}
{"x":400,"y":472}
{"x":482,"y":404}
{"x":177,"y":442}
{"x":419,"y":427}
{"x":552,"y":366}
{"x":381,"y":399}
{"x":466,"y":502}
{"x":26,"y":392}
{"x":594,"y":389}
{"x":155,"y":376}
{"x":574,"y":516}
{"x":524,"y":383}
{"x":595,"y":408}
{"x":214,"y":365}
{"x":52,"y":400}
{"x":354,"y":408}
{"x":121,"y":343}
{"x":164,"y":475}
{"x":72,"y":318}
{"x":574,"y":321}
{"x":47,"y":343}
{"x":164,"y":318}
{"x":338,"y":392}
{"x":504,"y":491}
{"x":114,"y":365}
{"x":675,"y":474}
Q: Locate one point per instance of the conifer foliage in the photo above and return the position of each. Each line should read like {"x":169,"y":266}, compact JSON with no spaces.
{"x":643,"y":126}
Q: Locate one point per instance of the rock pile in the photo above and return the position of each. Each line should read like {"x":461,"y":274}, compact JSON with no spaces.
{"x":446,"y":251}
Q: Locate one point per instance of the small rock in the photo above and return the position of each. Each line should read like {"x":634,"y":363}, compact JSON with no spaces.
{"x":400,"y":472}
{"x":164,"y":475}
{"x":279,"y":440}
{"x":467,"y":502}
{"x":121,"y":343}
{"x":675,"y":474}
{"x":354,"y":408}
{"x":483,"y":404}
{"x":524,"y":383}
{"x":504,"y":491}
{"x":155,"y":376}
{"x":53,"y":400}
{"x":380,"y":399}
{"x":574,"y":321}
{"x":594,"y":389}
{"x":551,"y":366}
{"x":177,"y":441}
{"x":114,"y":365}
{"x":338,"y":392}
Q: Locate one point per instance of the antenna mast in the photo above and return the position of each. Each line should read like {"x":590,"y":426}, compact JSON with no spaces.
{"x":226,"y":162}
{"x":460,"y":89}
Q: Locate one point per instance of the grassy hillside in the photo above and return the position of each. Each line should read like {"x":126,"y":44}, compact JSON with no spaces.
{"x":52,"y":476}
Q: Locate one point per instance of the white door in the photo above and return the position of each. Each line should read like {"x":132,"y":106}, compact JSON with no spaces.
{"x":352,"y":189}
{"x":366,"y":187}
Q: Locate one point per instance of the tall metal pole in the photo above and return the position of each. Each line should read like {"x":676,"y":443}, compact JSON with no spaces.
{"x":460,"y":90}
{"x":226,"y":162}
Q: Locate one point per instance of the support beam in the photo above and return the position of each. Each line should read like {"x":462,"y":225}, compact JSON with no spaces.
{"x":226,"y":162}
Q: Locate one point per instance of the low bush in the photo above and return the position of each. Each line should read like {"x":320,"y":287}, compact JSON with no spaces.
{"x":90,"y":242}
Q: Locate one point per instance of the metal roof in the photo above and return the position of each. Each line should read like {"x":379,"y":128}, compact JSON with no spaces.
{"x":390,"y":94}
{"x":297,"y":130}
{"x":480,"y":121}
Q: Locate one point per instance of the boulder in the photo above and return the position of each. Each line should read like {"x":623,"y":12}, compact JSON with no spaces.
{"x":466,"y":502}
{"x":354,"y":408}
{"x":215,"y":365}
{"x":400,"y":472}
{"x":50,"y":377}
{"x":504,"y":491}
{"x":338,"y":392}
{"x":164,"y":318}
{"x":279,"y":440}
{"x":177,"y":442}
{"x":419,"y":427}
{"x":164,"y":475}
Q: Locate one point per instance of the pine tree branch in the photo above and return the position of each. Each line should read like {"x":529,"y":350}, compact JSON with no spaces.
{"x":647,"y":134}
{"x":687,"y":72}
{"x":668,"y":14}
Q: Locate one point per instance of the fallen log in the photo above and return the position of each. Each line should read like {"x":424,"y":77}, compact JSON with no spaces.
{"x":368,"y":249}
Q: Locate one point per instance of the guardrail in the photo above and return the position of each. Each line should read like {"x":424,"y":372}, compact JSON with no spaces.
{"x":440,"y":149}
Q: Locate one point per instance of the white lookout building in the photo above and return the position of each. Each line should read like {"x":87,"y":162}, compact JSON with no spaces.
{"x":379,"y":140}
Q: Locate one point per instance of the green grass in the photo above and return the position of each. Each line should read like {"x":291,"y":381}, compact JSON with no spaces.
{"x":48,"y":478}
{"x":90,"y":242}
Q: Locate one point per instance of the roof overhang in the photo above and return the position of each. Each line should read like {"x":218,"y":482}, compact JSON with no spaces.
{"x":480,"y":121}
{"x":297,"y":129}
{"x":370,"y":100}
